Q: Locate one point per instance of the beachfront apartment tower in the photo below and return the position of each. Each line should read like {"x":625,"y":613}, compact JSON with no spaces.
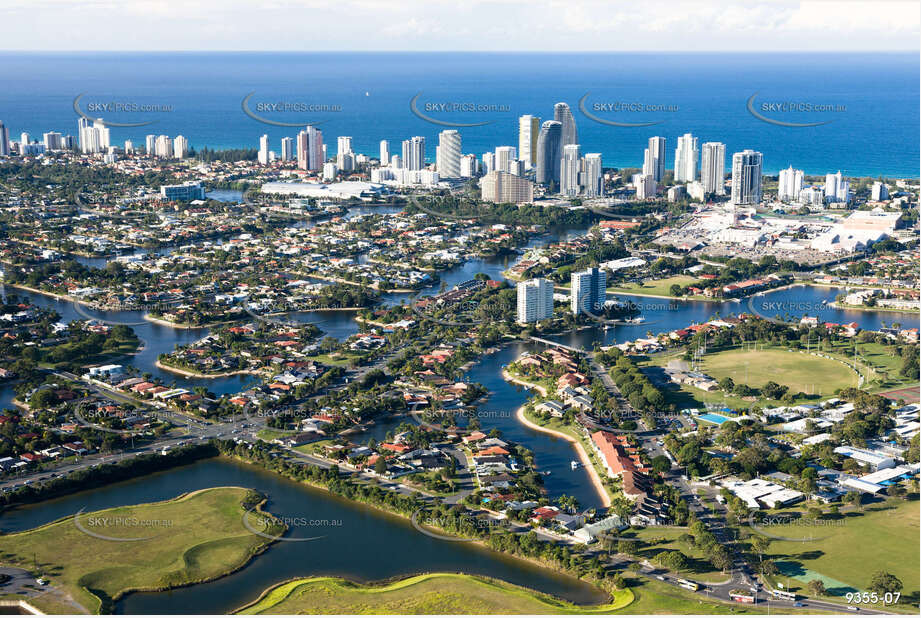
{"x":528,"y":130}
{"x":712,"y":167}
{"x":654,"y":159}
{"x":414,"y":153}
{"x":686,"y":159}
{"x":746,"y":178}
{"x":563,"y":115}
{"x":570,"y":168}
{"x":549,"y":152}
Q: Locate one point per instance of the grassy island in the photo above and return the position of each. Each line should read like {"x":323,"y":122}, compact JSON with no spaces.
{"x":95,"y":558}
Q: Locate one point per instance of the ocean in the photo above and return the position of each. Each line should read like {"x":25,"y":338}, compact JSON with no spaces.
{"x":867,"y":102}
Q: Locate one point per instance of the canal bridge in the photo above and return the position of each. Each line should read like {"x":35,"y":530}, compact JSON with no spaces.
{"x":557,"y":344}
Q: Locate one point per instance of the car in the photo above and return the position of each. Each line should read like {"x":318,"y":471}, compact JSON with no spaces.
{"x":659,"y":577}
{"x":853,"y":609}
{"x":798,"y":604}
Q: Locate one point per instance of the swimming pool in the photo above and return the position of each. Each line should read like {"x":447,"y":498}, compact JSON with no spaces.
{"x":716,"y":419}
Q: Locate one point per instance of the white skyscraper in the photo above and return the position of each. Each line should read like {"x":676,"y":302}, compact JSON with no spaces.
{"x":686,"y":159}
{"x":287,"y":149}
{"x":837,"y":188}
{"x":129,"y":146}
{"x":489,"y":162}
{"x":591,"y":175}
{"x":789,"y":184}
{"x":712,"y":167}
{"x":646,"y":186}
{"x":588,"y":290}
{"x":570,"y":167}
{"x":385,"y":152}
{"x":24,"y":139}
{"x":180,"y":147}
{"x":504,"y":156}
{"x":535,"y":300}
{"x":414,"y":153}
{"x":329,"y":171}
{"x":103,"y":131}
{"x":528,"y":130}
{"x":654,"y":159}
{"x":263,"y":155}
{"x":468,"y":166}
{"x":448,"y":154}
{"x":746,"y":178}
{"x":93,"y":137}
{"x":879,"y":192}
{"x":150,"y":144}
{"x":164,"y":147}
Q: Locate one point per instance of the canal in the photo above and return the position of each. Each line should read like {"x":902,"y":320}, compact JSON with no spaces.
{"x":358,"y":542}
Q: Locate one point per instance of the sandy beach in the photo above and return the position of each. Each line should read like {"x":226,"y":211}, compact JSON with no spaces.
{"x":583,"y":456}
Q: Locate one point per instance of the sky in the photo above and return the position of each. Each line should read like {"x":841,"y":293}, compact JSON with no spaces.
{"x":460,"y":25}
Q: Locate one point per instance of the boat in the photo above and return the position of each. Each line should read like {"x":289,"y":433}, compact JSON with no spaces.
{"x":546,"y":472}
{"x":574,"y":465}
{"x":638,"y":320}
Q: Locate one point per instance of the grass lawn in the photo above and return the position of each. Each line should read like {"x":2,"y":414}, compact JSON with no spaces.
{"x":435,"y":593}
{"x":661,"y":538}
{"x":800,"y":371}
{"x":881,"y":364}
{"x":271,"y":434}
{"x":193,"y":538}
{"x":882,"y":538}
{"x":657,"y":287}
{"x":337,"y":359}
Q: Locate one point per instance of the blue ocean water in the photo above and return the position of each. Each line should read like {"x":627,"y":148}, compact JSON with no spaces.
{"x":873,"y":128}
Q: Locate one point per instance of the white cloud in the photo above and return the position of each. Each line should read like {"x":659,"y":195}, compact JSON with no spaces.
{"x":503,"y":25}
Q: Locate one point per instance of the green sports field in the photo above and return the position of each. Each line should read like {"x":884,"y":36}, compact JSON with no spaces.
{"x":800,"y":371}
{"x":882,"y":538}
{"x":657,"y":287}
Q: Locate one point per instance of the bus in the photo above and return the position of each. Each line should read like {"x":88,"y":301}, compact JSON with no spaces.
{"x":783,"y":594}
{"x":688,"y":584}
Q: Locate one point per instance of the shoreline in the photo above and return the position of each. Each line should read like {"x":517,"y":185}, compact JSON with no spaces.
{"x":580,"y":450}
{"x":842,"y":307}
{"x":194,"y":374}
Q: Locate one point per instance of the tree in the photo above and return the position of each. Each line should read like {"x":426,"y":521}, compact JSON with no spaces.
{"x":816,"y":587}
{"x":380,"y":466}
{"x":768,"y":567}
{"x":661,"y":464}
{"x":760,"y":544}
{"x":883,"y":582}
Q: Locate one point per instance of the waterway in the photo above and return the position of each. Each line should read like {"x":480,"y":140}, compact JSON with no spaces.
{"x":357,"y":542}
